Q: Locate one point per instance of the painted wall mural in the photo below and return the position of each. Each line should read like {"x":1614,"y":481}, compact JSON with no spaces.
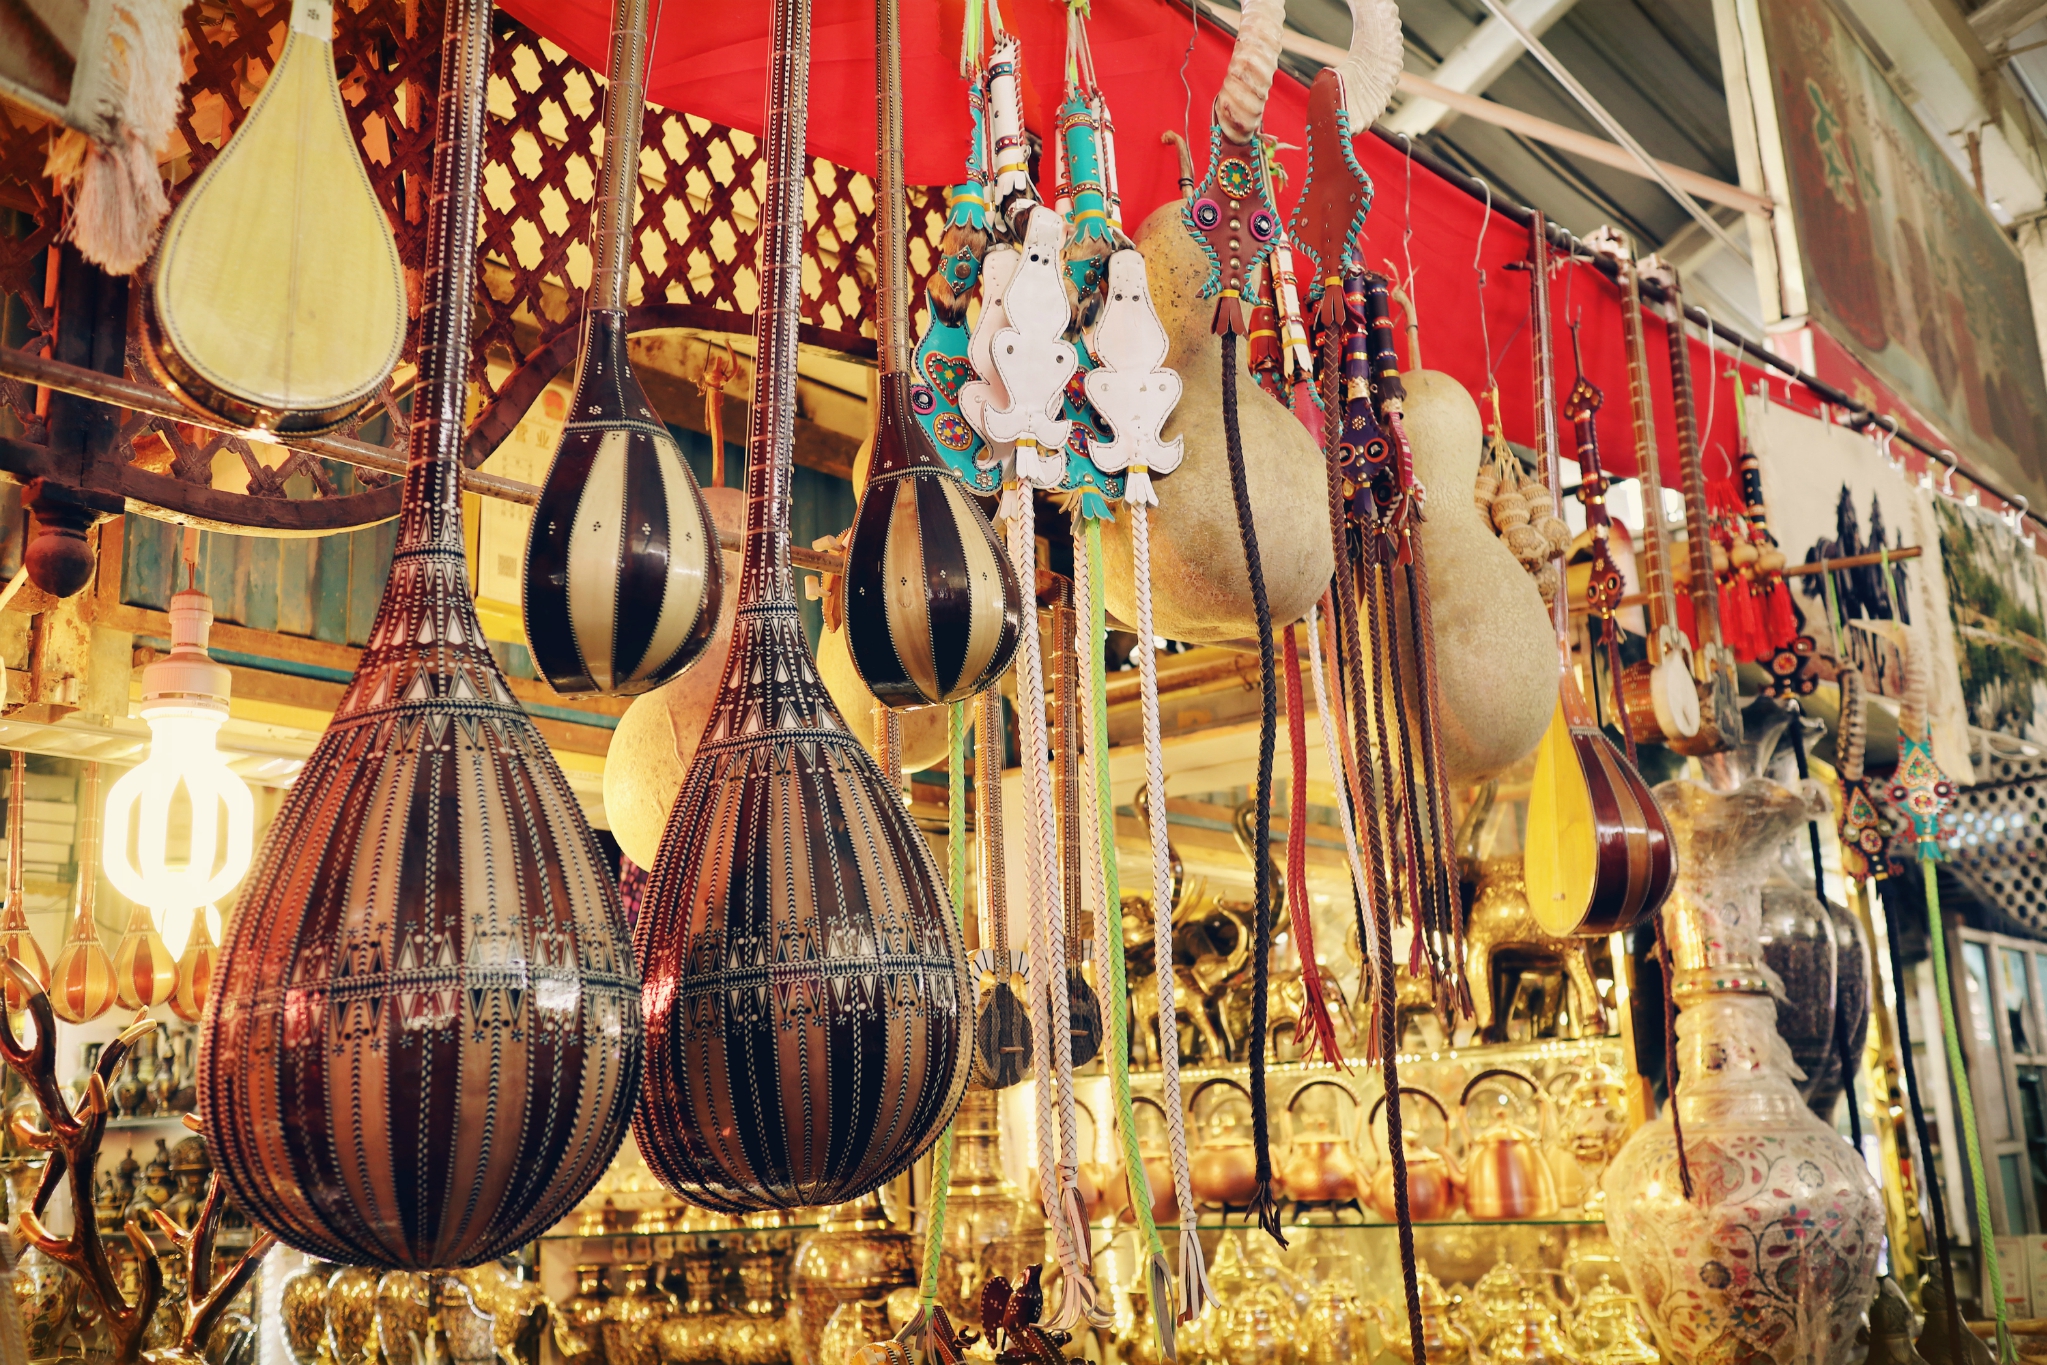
{"x":1903,"y":264}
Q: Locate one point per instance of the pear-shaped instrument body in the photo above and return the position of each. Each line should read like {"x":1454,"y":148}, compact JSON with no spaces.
{"x":932,"y":606}
{"x":424,"y":1038}
{"x":623,"y":573}
{"x":276,"y":299}
{"x":806,"y":995}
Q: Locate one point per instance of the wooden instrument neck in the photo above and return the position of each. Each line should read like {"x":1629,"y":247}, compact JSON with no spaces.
{"x":624,"y":101}
{"x":1705,"y":592}
{"x":1655,"y":558}
{"x":766,"y":577}
{"x":1547,"y":450}
{"x":892,"y":274}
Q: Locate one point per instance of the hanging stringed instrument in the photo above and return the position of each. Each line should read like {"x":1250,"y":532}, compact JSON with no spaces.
{"x":276,"y":299}
{"x":1720,"y":725}
{"x":1002,"y":1026}
{"x":1659,"y":702}
{"x":1598,"y":853}
{"x":624,"y":578}
{"x":1604,"y":586}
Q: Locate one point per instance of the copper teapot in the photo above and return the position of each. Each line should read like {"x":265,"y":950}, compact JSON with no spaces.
{"x":1321,"y":1165}
{"x":1224,"y":1165}
{"x":1506,"y":1175}
{"x":1434,"y":1184}
{"x":1158,"y":1165}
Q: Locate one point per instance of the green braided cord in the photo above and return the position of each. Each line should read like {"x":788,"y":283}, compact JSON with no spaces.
{"x":2007,"y":1350}
{"x":1112,"y":902}
{"x":956,"y":722}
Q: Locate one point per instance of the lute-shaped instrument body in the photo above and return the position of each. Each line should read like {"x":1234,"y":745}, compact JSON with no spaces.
{"x":1659,"y":702}
{"x":1598,"y":855}
{"x":624,"y":578}
{"x":276,"y":299}
{"x":933,"y":612}
{"x":1720,"y":724}
{"x":1002,"y":1024}
{"x":807,"y":998}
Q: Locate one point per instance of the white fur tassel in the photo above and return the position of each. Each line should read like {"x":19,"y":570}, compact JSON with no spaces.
{"x":1370,"y":72}
{"x":130,"y":104}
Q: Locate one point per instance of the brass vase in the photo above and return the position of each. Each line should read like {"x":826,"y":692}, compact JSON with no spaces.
{"x":991,"y":1227}
{"x":757,"y":1334}
{"x":857,"y":1255}
{"x":695,"y":1333}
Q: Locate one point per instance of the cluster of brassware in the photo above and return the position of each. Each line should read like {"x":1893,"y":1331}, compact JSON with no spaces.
{"x":160,"y":1078}
{"x":351,"y":1315}
{"x":1518,"y":1149}
{"x":720,"y":1300}
{"x":1268,"y":1314}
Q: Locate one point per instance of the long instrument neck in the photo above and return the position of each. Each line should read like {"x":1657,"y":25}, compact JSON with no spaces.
{"x":892,"y":274}
{"x":771,"y":442}
{"x":1655,"y":564}
{"x":1705,"y":591}
{"x":1547,"y":451}
{"x":624,"y":102}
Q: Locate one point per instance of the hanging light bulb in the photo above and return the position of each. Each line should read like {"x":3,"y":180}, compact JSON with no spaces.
{"x":82,"y":984}
{"x":184,"y":699}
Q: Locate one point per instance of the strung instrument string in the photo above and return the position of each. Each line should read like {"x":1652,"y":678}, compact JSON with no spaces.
{"x":1262,"y":1202}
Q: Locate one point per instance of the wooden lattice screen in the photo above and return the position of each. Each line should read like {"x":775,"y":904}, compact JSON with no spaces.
{"x":695,"y":248}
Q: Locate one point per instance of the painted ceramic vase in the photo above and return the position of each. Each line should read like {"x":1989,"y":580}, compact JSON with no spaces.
{"x":424,"y":1037}
{"x":1774,"y":1257}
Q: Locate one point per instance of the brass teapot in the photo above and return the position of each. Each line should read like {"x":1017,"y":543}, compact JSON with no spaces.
{"x":1441,"y":1338}
{"x":1506,"y":1175}
{"x":1435,"y":1186}
{"x":1224,"y":1165}
{"x":1321,"y":1165}
{"x":1530,"y":1336}
{"x":1592,"y":1128}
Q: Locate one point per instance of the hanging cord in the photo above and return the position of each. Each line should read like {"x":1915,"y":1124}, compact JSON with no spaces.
{"x":1110,"y":940}
{"x":1048,"y":929}
{"x":1819,"y":890}
{"x":1314,"y":1017}
{"x":1262,"y":1203}
{"x":1893,"y":898}
{"x":1195,"y":1291}
{"x":1677,"y":1123}
{"x":1367,"y":934}
{"x":956,"y":855}
{"x":1986,"y":1237}
{"x":1389,"y":1046}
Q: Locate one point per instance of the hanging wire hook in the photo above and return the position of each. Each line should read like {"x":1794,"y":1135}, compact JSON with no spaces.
{"x":1947,"y":482}
{"x":1187,"y":105}
{"x":1407,"y":231}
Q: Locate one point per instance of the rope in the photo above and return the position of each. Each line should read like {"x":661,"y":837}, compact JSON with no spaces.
{"x":1195,"y":1291}
{"x":1262,"y":1202}
{"x":1047,"y":974}
{"x":1417,"y":1335}
{"x":956,"y":869}
{"x":1936,"y":930}
{"x":1314,"y":1009}
{"x":1367,"y":942}
{"x":1894,"y":910}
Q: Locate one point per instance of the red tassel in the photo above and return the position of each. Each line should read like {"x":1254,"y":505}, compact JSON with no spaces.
{"x":1314,"y":1019}
{"x":1781,"y":615}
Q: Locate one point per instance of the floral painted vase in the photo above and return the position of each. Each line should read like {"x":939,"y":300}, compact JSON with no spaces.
{"x":1773,"y":1257}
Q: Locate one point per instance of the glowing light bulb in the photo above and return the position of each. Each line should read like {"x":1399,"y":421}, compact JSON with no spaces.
{"x":184,"y":700}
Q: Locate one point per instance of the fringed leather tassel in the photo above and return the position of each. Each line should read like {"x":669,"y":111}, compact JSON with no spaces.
{"x":1230,"y":321}
{"x":1320,"y":1041}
